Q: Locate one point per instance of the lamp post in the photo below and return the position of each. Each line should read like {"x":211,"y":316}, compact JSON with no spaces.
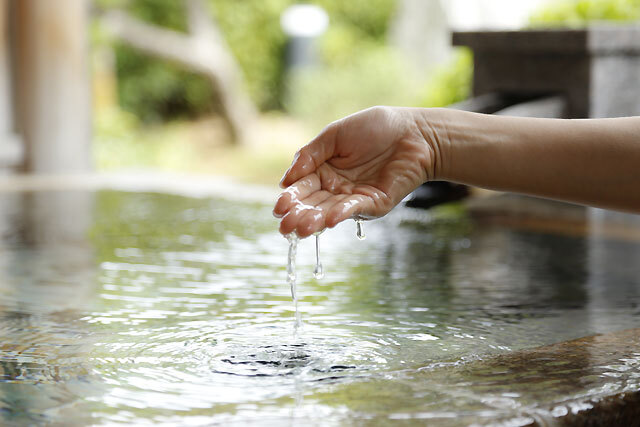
{"x":303,"y":24}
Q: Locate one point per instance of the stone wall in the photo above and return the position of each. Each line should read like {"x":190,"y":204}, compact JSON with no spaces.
{"x":596,"y":69}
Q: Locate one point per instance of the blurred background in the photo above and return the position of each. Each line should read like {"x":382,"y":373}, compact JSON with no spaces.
{"x":231,"y":87}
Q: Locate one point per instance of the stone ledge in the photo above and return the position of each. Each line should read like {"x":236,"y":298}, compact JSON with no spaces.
{"x":600,"y":39}
{"x":588,"y":381}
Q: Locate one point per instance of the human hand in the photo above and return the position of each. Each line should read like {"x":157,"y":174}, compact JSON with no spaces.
{"x":358,"y":167}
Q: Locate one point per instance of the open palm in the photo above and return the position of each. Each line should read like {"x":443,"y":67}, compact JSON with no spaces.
{"x":358,"y":167}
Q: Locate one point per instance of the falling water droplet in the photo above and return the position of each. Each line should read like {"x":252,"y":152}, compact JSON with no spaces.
{"x":291,"y":278}
{"x":359,"y":230}
{"x":318,"y":272}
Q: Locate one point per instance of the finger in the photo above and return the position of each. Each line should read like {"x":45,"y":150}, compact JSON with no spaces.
{"x":296,"y":192}
{"x":313,"y":221}
{"x":300,"y":208}
{"x":311,"y":156}
{"x":353,"y":206}
{"x":290,"y":220}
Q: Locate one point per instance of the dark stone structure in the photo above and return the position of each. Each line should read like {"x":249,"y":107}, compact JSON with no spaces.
{"x":596,"y":70}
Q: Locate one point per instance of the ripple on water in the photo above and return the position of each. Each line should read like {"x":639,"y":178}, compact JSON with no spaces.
{"x":272,"y":351}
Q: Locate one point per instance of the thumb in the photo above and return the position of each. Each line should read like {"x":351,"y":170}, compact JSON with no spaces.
{"x":311,"y":156}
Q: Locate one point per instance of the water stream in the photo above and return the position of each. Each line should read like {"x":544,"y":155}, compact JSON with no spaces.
{"x":291,"y":279}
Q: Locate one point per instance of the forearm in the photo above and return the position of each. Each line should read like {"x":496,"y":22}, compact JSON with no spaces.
{"x":594,"y":162}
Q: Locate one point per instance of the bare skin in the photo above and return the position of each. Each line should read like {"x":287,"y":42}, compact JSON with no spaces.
{"x":363,"y":165}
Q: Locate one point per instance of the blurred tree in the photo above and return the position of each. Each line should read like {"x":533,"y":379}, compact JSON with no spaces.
{"x":202,"y":50}
{"x":151,"y":88}
{"x":252,"y":29}
{"x":154,"y":89}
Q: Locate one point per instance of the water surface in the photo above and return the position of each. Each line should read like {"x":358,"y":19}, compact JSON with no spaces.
{"x":120,"y":307}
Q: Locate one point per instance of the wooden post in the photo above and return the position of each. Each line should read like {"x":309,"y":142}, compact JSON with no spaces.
{"x":52,"y":80}
{"x":10,"y":147}
{"x":6,"y":117}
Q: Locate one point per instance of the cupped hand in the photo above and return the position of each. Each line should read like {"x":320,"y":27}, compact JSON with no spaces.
{"x":358,"y":167}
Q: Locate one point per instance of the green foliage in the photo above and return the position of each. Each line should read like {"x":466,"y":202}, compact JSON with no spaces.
{"x":154,"y":89}
{"x":452,"y":83}
{"x":151,"y":88}
{"x":577,"y":13}
{"x":252,"y":31}
{"x":167,"y":13}
{"x":366,"y":19}
{"x":120,"y":142}
{"x":377,"y":76}
{"x":373,"y":77}
{"x":358,"y":69}
{"x":195,"y":146}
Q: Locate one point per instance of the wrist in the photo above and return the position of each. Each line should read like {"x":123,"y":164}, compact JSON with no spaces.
{"x":433,"y":125}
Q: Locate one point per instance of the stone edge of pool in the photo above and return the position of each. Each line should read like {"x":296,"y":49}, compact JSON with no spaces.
{"x":573,"y":367}
{"x":144,"y":181}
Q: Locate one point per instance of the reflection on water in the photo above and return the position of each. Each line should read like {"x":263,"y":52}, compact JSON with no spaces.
{"x":148,"y":308}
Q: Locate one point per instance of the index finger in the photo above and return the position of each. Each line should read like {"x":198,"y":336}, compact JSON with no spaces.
{"x":311,"y":156}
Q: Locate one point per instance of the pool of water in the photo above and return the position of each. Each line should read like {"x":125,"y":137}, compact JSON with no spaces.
{"x":127,"y":307}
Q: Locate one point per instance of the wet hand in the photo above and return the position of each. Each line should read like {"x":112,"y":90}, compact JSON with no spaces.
{"x":358,"y":167}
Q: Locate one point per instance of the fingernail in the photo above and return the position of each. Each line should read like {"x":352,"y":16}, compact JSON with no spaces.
{"x":281,"y":184}
{"x":293,"y":162}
